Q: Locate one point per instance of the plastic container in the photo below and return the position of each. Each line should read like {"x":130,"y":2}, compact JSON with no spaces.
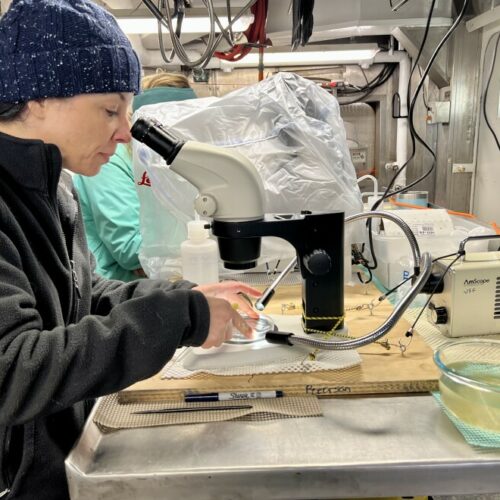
{"x":420,"y":198}
{"x":437,"y":233}
{"x":470,"y":381}
{"x":199,"y":255}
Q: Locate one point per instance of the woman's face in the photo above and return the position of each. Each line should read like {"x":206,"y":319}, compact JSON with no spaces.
{"x":87,"y":128}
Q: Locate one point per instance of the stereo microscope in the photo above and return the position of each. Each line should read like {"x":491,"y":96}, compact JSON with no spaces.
{"x":232,"y":194}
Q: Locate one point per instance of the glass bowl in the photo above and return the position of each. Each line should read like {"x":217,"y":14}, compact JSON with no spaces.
{"x":470,"y":381}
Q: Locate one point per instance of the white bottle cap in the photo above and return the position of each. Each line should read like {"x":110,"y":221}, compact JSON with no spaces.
{"x":196,"y":230}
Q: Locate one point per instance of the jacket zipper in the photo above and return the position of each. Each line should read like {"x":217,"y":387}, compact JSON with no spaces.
{"x":76,"y":291}
{"x":6,"y":481}
{"x":5,"y":475}
{"x":76,"y":294}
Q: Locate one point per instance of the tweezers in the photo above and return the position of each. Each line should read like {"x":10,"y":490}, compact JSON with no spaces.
{"x":195,"y":408}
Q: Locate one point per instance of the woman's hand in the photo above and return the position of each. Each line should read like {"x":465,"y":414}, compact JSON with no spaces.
{"x":222,"y":298}
{"x":235,"y":292}
{"x":223,"y":318}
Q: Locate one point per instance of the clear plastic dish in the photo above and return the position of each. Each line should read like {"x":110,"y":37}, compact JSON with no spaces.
{"x":470,"y":381}
{"x":260,"y":327}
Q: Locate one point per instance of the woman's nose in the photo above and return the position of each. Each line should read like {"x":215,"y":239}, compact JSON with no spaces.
{"x":123,"y":135}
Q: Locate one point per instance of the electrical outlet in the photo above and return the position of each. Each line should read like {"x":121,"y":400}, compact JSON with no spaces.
{"x":439,"y":112}
{"x":463,"y":168}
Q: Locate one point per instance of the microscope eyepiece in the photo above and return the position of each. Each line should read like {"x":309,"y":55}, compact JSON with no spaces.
{"x":157,"y":138}
{"x":140,"y":129}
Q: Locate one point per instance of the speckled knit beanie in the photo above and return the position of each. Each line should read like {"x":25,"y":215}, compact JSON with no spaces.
{"x":61,"y":48}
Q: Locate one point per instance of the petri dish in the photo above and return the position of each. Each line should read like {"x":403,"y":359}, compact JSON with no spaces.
{"x":260,"y":326}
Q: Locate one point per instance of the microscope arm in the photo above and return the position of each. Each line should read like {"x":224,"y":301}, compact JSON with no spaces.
{"x":230,"y":186}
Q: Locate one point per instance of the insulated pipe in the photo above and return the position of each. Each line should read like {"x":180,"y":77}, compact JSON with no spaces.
{"x":400,"y":57}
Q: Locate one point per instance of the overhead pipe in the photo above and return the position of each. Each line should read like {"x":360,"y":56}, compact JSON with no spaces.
{"x":401,"y":57}
{"x":153,"y":58}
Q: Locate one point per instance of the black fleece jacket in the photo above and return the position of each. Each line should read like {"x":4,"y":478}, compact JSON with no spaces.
{"x":66,"y":335}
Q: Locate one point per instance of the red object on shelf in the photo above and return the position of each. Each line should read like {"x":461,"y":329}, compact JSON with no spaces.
{"x":255,"y":34}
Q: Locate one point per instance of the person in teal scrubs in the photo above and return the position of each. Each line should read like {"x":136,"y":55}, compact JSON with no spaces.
{"x":109,"y":200}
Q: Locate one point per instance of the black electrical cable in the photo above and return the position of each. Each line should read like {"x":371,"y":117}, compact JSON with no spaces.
{"x":412,"y":134}
{"x":415,"y":64}
{"x":412,"y":276}
{"x":485,"y":97}
{"x":392,"y":290}
{"x":302,"y":22}
{"x":400,"y":284}
{"x":409,"y":113}
{"x":388,"y":194}
{"x":357,"y":258}
{"x":399,"y":5}
{"x":364,"y":74}
{"x":360,"y":277}
{"x":378,"y":80}
{"x":410,"y":330}
{"x":366,"y":90}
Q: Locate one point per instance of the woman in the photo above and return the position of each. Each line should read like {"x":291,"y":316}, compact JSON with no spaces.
{"x":67,"y":78}
{"x":109,"y":200}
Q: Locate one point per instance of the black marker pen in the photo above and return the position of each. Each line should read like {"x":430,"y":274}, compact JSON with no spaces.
{"x":232,"y":396}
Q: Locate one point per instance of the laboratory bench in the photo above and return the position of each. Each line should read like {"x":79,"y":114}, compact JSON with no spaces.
{"x":369,"y":446}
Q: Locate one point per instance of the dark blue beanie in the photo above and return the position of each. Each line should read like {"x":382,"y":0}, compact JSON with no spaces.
{"x":62,"y":48}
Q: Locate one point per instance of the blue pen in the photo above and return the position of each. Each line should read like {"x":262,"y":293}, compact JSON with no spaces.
{"x":232,"y":396}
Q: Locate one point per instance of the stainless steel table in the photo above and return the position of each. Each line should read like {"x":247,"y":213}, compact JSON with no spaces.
{"x":361,"y":447}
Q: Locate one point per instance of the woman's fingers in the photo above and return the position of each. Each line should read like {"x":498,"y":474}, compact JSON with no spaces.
{"x":243,"y":288}
{"x":244,"y":307}
{"x":222,"y":320}
{"x":228,"y":287}
{"x":235,"y":293}
{"x":241,"y":325}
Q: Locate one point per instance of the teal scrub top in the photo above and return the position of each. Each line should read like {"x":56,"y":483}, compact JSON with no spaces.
{"x":110,"y":210}
{"x":110,"y":204}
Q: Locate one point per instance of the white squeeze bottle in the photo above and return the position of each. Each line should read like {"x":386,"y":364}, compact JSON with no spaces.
{"x":199,"y":255}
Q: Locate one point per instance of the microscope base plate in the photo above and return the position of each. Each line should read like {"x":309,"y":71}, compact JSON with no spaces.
{"x":260,"y":353}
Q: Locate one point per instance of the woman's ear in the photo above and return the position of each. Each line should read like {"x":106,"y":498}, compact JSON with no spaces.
{"x":37,"y":108}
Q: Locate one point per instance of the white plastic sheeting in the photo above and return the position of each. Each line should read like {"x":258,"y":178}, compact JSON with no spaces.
{"x":286,"y":125}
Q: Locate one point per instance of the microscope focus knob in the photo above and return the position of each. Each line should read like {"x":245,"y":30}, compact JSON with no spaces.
{"x":437,"y":315}
{"x":318,"y":262}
